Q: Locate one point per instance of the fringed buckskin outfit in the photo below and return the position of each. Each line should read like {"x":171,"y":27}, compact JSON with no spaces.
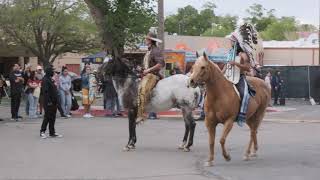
{"x":153,"y":57}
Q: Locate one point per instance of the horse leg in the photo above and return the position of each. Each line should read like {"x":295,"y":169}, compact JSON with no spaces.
{"x":254,"y":130}
{"x":185,"y":137}
{"x":255,"y":143}
{"x":226,"y":130}
{"x":132,"y":115}
{"x":211,"y":126}
{"x":248,"y":151}
{"x":190,"y":123}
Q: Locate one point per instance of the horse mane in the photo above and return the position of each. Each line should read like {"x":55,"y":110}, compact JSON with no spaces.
{"x":216,"y":66}
{"x":117,"y":67}
{"x":216,"y":72}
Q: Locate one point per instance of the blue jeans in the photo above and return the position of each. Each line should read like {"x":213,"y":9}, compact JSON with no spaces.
{"x":33,"y":104}
{"x":112,"y":104}
{"x":65,"y":100}
{"x":152,"y":115}
{"x":27,"y":104}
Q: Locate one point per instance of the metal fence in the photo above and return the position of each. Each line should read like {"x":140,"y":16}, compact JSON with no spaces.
{"x":299,"y":81}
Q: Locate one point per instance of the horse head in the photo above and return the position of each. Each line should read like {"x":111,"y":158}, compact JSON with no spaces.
{"x":200,"y":72}
{"x":119,"y":67}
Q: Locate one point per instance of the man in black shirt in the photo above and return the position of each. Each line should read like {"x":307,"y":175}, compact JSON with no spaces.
{"x":50,"y":102}
{"x":16,"y":85}
{"x":276,"y":87}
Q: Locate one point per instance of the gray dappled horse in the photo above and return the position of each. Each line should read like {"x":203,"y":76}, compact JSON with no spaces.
{"x":170,"y":92}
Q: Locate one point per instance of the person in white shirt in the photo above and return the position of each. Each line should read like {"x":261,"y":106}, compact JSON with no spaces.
{"x":267,"y":80}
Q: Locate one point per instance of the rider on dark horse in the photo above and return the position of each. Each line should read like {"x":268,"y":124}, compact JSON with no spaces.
{"x":153,"y":62}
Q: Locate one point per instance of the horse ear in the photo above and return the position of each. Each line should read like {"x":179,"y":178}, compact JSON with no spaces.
{"x":197,"y":54}
{"x":205,"y":55}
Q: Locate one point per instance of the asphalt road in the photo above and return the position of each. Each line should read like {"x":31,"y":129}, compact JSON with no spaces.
{"x":92,"y":149}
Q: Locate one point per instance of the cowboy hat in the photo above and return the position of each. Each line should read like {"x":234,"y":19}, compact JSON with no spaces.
{"x":153,"y":37}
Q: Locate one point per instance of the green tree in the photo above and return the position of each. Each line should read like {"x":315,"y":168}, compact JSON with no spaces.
{"x":185,"y":22}
{"x":47,"y":28}
{"x":307,"y":28}
{"x":260,"y":17}
{"x":190,"y":21}
{"x":223,"y":26}
{"x":283,"y":29}
{"x":122,"y":23}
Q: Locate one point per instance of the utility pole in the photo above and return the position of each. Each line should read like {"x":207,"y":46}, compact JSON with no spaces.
{"x":161,"y":22}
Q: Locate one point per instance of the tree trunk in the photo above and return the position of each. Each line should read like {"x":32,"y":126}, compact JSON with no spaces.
{"x":44,"y":61}
{"x":107,"y":38}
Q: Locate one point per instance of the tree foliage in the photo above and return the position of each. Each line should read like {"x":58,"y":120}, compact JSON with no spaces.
{"x":260,"y":17}
{"x":190,"y":21}
{"x":122,"y":23}
{"x":283,"y":29}
{"x":48,"y":28}
{"x":224,"y":25}
{"x":186,"y":22}
{"x":274,"y":28}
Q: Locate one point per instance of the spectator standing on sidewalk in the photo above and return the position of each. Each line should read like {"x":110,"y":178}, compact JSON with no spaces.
{"x":39,"y":76}
{"x":276,"y":87}
{"x":111,"y":98}
{"x":26,"y":75}
{"x":55,"y":78}
{"x":16,"y":85}
{"x":2,"y":90}
{"x":33,"y":93}
{"x":268,"y":80}
{"x":64,"y":91}
{"x":85,"y":82}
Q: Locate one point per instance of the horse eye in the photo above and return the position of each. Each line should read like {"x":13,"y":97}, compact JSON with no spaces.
{"x":202,"y":67}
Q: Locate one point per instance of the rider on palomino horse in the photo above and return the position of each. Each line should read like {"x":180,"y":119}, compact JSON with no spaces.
{"x":245,"y":38}
{"x":153,"y":62}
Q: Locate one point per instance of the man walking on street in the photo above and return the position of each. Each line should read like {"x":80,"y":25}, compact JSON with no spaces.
{"x":16,"y":85}
{"x":50,"y":99}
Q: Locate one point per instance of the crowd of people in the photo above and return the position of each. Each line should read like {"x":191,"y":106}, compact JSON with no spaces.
{"x":27,"y":84}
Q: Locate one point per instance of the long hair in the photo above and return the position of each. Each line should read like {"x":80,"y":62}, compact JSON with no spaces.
{"x":32,"y":75}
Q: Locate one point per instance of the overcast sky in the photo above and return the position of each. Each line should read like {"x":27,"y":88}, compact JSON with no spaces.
{"x":306,"y":11}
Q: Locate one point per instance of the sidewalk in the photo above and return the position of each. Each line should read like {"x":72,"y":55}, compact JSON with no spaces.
{"x":295,"y":110}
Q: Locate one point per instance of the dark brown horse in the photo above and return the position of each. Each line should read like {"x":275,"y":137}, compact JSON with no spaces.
{"x":222,"y":105}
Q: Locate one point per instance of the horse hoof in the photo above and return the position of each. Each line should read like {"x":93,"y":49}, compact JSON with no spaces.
{"x":254,"y":155}
{"x":126,"y":149}
{"x":186,"y":149}
{"x":208,"y":163}
{"x":227,"y":158}
{"x":246,"y":158}
{"x":182,"y":146}
{"x":139,"y":122}
{"x":132,"y":147}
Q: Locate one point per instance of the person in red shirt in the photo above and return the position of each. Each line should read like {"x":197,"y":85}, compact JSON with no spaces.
{"x":33,"y":93}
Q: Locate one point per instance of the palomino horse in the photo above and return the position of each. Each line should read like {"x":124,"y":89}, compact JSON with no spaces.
{"x":171,"y":92}
{"x":222,"y":105}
